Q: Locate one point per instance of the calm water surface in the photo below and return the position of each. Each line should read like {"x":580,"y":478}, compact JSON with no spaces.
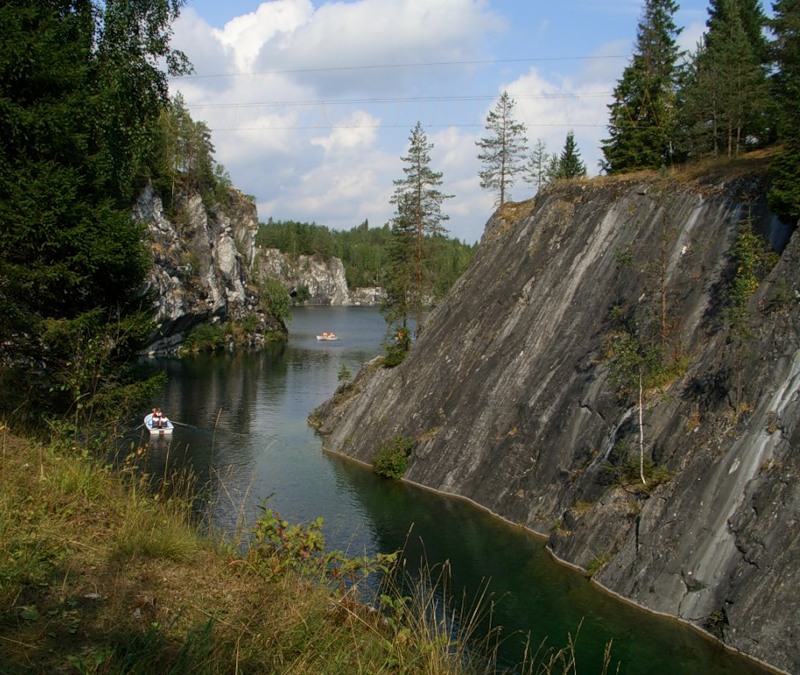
{"x":242,"y":427}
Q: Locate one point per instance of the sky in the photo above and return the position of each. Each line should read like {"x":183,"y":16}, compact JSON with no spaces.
{"x":311,"y":103}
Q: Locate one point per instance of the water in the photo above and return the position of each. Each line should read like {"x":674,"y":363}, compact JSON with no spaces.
{"x":242,"y":425}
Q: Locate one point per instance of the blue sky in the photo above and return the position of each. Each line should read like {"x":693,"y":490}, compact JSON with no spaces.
{"x":311,"y":103}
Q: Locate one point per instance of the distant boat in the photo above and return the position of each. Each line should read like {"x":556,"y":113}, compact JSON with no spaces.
{"x":164,"y":430}
{"x":327,"y":336}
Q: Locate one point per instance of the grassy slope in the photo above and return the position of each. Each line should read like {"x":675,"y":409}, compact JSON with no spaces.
{"x":96,"y":576}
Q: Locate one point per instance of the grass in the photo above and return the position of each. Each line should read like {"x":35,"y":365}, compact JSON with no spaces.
{"x":101,"y":573}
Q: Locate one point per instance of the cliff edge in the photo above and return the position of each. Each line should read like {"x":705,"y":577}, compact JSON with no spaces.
{"x":515,"y":398}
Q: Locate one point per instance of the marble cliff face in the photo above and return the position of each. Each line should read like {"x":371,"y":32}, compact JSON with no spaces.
{"x":512,"y":399}
{"x":202,"y":265}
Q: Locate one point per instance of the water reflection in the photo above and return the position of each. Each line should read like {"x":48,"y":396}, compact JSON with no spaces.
{"x":243,"y":429}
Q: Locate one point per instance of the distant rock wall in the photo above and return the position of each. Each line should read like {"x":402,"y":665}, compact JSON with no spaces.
{"x":512,"y":403}
{"x":323,"y":277}
{"x":201,"y":271}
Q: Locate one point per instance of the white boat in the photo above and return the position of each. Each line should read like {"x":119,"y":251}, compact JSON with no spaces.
{"x":327,"y":336}
{"x":164,"y":430}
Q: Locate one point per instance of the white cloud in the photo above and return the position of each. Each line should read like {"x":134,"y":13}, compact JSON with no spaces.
{"x":355,"y":132}
{"x":277,"y":117}
{"x":245,"y":36}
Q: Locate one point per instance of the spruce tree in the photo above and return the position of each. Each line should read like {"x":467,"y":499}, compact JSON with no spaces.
{"x":726,"y":101}
{"x":642,"y":115}
{"x":784,"y":195}
{"x":569,"y":162}
{"x":417,"y":221}
{"x":503,"y":151}
{"x":751,"y":15}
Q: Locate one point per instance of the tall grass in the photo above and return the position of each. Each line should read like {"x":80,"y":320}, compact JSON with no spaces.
{"x":105,"y":571}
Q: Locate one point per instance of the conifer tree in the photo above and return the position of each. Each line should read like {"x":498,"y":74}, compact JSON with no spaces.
{"x":503,"y":150}
{"x":80,"y":90}
{"x":417,"y":221}
{"x":536,"y":168}
{"x":784,"y":195}
{"x":726,"y":102}
{"x":569,"y":162}
{"x":752,"y":18}
{"x":642,"y":115}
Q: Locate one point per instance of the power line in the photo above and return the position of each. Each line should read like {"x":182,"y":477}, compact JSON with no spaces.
{"x":413,"y":99}
{"x":322,"y":127}
{"x":389,"y":66}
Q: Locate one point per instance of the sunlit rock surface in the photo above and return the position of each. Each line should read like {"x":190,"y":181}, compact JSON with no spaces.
{"x":509,"y":396}
{"x":202,"y":259}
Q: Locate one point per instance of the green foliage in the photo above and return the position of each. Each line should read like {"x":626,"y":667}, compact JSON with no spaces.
{"x":79,"y":92}
{"x":642,"y":121}
{"x":625,"y":467}
{"x":569,"y":164}
{"x":365,"y":252}
{"x":391,"y":459}
{"x":301,"y":295}
{"x":184,"y":157}
{"x":784,"y":196}
{"x":726,"y":103}
{"x":503,"y":151}
{"x":397,"y":347}
{"x":416,"y":227}
{"x":344,"y":374}
{"x":275,"y":297}
{"x":596,"y":564}
{"x":752,"y":260}
{"x":207,"y":337}
{"x":536,"y":170}
{"x":278,"y":547}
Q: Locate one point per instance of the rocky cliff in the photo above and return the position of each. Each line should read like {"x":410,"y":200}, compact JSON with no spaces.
{"x":514,"y":396}
{"x":202,"y":260}
{"x":324,"y":278}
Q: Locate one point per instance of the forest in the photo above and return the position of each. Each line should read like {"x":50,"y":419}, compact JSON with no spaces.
{"x":364,"y":250}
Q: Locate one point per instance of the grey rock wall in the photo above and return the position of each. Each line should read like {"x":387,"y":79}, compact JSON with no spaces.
{"x":510,"y":399}
{"x":201,"y":266}
{"x":323,"y":277}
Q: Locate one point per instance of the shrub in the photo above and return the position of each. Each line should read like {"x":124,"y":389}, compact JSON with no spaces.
{"x":275,"y":298}
{"x":206,"y":337}
{"x":391,"y":459}
{"x":397,"y":347}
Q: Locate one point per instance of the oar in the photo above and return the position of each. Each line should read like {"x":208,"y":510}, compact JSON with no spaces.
{"x":181,"y":424}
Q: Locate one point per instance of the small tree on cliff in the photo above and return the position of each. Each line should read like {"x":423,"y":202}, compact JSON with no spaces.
{"x":417,"y":221}
{"x":503,"y":150}
{"x":569,"y":163}
{"x":536,"y":171}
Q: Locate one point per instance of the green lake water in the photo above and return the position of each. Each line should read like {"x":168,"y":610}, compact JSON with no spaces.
{"x":242,"y":426}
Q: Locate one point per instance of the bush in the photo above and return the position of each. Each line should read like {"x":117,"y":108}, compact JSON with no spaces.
{"x":275,"y":298}
{"x":397,"y":347}
{"x":206,"y":337}
{"x":391,"y":459}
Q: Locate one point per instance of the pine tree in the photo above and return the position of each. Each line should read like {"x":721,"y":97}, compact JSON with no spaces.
{"x":569,"y":163}
{"x":536,"y":168}
{"x":503,"y":151}
{"x":784,"y":195}
{"x":417,"y":221}
{"x":726,"y":101}
{"x":643,"y":111}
